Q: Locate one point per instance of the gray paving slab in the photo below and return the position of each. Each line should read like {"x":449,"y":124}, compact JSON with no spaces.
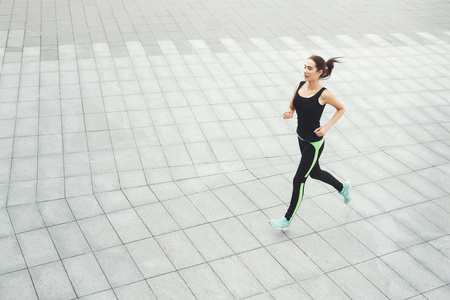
{"x":157,"y":219}
{"x":322,"y":287}
{"x":353,"y":250}
{"x":150,"y":258}
{"x":55,"y":212}
{"x":139,"y":290}
{"x":413,"y":272}
{"x":12,"y":258}
{"x":204,"y":283}
{"x":431,"y":258}
{"x":170,"y":286}
{"x":184,"y":212}
{"x":395,"y":230}
{"x":293,"y":290}
{"x":208,"y":242}
{"x":323,"y":255}
{"x":51,"y":281}
{"x":235,"y":235}
{"x":69,"y":240}
{"x":21,"y":280}
{"x":355,"y":285}
{"x":142,"y":151}
{"x":180,"y":250}
{"x":99,"y":232}
{"x":292,"y":258}
{"x":37,"y":239}
{"x":85,"y":275}
{"x":6,"y":226}
{"x":118,"y":266}
{"x":371,"y":237}
{"x":278,"y":276}
{"x":386,"y":280}
{"x":440,"y":293}
{"x":237,"y":277}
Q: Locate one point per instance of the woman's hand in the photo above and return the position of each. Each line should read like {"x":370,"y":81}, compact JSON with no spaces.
{"x":288,"y":113}
{"x":321,"y":131}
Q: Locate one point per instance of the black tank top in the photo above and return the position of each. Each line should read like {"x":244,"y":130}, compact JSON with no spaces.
{"x":309,"y":111}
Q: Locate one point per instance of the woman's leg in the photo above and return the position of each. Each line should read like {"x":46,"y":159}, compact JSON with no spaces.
{"x":309,"y":165}
{"x":324,"y":176}
{"x":310,"y":155}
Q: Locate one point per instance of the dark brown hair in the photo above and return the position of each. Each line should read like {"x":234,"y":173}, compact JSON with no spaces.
{"x":325,"y":66}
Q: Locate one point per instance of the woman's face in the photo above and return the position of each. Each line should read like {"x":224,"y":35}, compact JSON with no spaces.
{"x":310,"y":71}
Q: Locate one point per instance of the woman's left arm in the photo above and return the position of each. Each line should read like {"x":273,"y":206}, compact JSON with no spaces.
{"x":328,"y":98}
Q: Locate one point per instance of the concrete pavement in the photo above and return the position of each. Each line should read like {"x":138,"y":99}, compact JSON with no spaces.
{"x":142,"y":150}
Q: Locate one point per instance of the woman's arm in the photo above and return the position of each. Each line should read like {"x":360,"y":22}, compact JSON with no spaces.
{"x":289,"y":112}
{"x":328,"y":98}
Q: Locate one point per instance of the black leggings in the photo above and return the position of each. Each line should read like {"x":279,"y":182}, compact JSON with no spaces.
{"x":309,"y":166}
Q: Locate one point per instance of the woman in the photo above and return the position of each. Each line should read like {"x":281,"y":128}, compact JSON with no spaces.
{"x":309,"y":101}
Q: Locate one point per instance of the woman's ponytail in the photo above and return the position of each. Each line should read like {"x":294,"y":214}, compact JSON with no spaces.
{"x":330,"y":65}
{"x":326,"y":67}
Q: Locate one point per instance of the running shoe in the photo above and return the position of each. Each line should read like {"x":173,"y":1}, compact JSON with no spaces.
{"x":280,"y":224}
{"x":346,"y":192}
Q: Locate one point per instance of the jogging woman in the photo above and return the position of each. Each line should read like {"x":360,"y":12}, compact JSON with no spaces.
{"x":309,"y":101}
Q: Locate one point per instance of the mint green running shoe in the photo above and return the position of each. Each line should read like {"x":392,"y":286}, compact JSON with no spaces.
{"x":346,"y":192}
{"x":280,"y":224}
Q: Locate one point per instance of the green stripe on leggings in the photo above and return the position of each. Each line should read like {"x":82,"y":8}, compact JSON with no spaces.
{"x":300,"y":197}
{"x":317,"y":146}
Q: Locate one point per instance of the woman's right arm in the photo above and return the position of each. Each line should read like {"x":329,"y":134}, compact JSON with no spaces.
{"x":289,"y":112}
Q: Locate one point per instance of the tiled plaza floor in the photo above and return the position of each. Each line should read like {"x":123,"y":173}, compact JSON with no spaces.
{"x":143,"y":150}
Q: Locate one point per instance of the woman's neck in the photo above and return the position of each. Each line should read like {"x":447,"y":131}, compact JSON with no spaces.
{"x":313,"y":85}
